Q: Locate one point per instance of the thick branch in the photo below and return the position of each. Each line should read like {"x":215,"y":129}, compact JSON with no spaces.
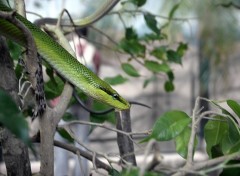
{"x":14,"y":151}
{"x":50,"y":120}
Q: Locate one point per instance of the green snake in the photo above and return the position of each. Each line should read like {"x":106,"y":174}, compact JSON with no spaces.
{"x":62,"y":61}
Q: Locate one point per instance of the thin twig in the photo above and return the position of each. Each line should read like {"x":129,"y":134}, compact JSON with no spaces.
{"x":102,"y":125}
{"x":140,"y":11}
{"x":83,"y":153}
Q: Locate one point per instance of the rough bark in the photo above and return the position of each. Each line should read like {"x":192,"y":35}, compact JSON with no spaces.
{"x":15,"y":153}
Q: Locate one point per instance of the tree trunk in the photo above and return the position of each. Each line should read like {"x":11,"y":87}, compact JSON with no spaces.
{"x":15,"y":152}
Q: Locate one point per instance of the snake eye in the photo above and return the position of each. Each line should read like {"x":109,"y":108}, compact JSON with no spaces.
{"x":115,"y":96}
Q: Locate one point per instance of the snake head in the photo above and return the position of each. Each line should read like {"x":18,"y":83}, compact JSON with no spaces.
{"x":110,"y":96}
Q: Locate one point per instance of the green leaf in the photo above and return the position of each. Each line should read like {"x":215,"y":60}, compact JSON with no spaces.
{"x":153,"y":36}
{"x":224,"y":111}
{"x":138,"y":3}
{"x":63,"y":133}
{"x":151,"y":22}
{"x":109,"y":117}
{"x":170,"y":75}
{"x":231,"y":138}
{"x":174,"y":57}
{"x":182,"y":48}
{"x":68,"y":117}
{"x":54,"y":88}
{"x":15,"y":49}
{"x":130,"y":70}
{"x":156,"y":67}
{"x":114,"y":172}
{"x":130,"y":33}
{"x":169,"y":86}
{"x":98,"y":106}
{"x":169,"y":125}
{"x":214,"y":131}
{"x":119,"y":79}
{"x":234,"y":106}
{"x":12,"y":118}
{"x":160,"y":53}
{"x":132,"y":47}
{"x":182,"y":141}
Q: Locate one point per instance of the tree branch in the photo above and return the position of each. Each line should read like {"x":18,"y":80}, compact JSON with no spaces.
{"x":14,"y":150}
{"x":125,"y":143}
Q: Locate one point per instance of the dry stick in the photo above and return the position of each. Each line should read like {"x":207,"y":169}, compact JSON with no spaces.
{"x":192,"y":136}
{"x":146,"y":154}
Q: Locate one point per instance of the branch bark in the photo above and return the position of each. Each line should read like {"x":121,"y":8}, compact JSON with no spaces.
{"x":51,"y":118}
{"x":14,"y":150}
{"x":125,"y":144}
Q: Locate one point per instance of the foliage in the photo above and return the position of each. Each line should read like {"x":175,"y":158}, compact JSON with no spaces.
{"x":12,"y":118}
{"x":221,"y":133}
{"x":158,"y":59}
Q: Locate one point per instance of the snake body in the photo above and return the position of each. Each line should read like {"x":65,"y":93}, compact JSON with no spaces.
{"x":63,"y":62}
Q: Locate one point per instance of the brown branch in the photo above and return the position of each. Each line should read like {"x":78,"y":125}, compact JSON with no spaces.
{"x":83,"y":153}
{"x":51,"y":118}
{"x":15,"y":152}
{"x":125,"y":144}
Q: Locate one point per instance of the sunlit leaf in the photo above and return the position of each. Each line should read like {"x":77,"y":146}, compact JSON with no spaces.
{"x":169,"y":125}
{"x":119,"y":79}
{"x":156,"y":67}
{"x":130,"y":70}
{"x":234,"y":106}
{"x":151,"y":22}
